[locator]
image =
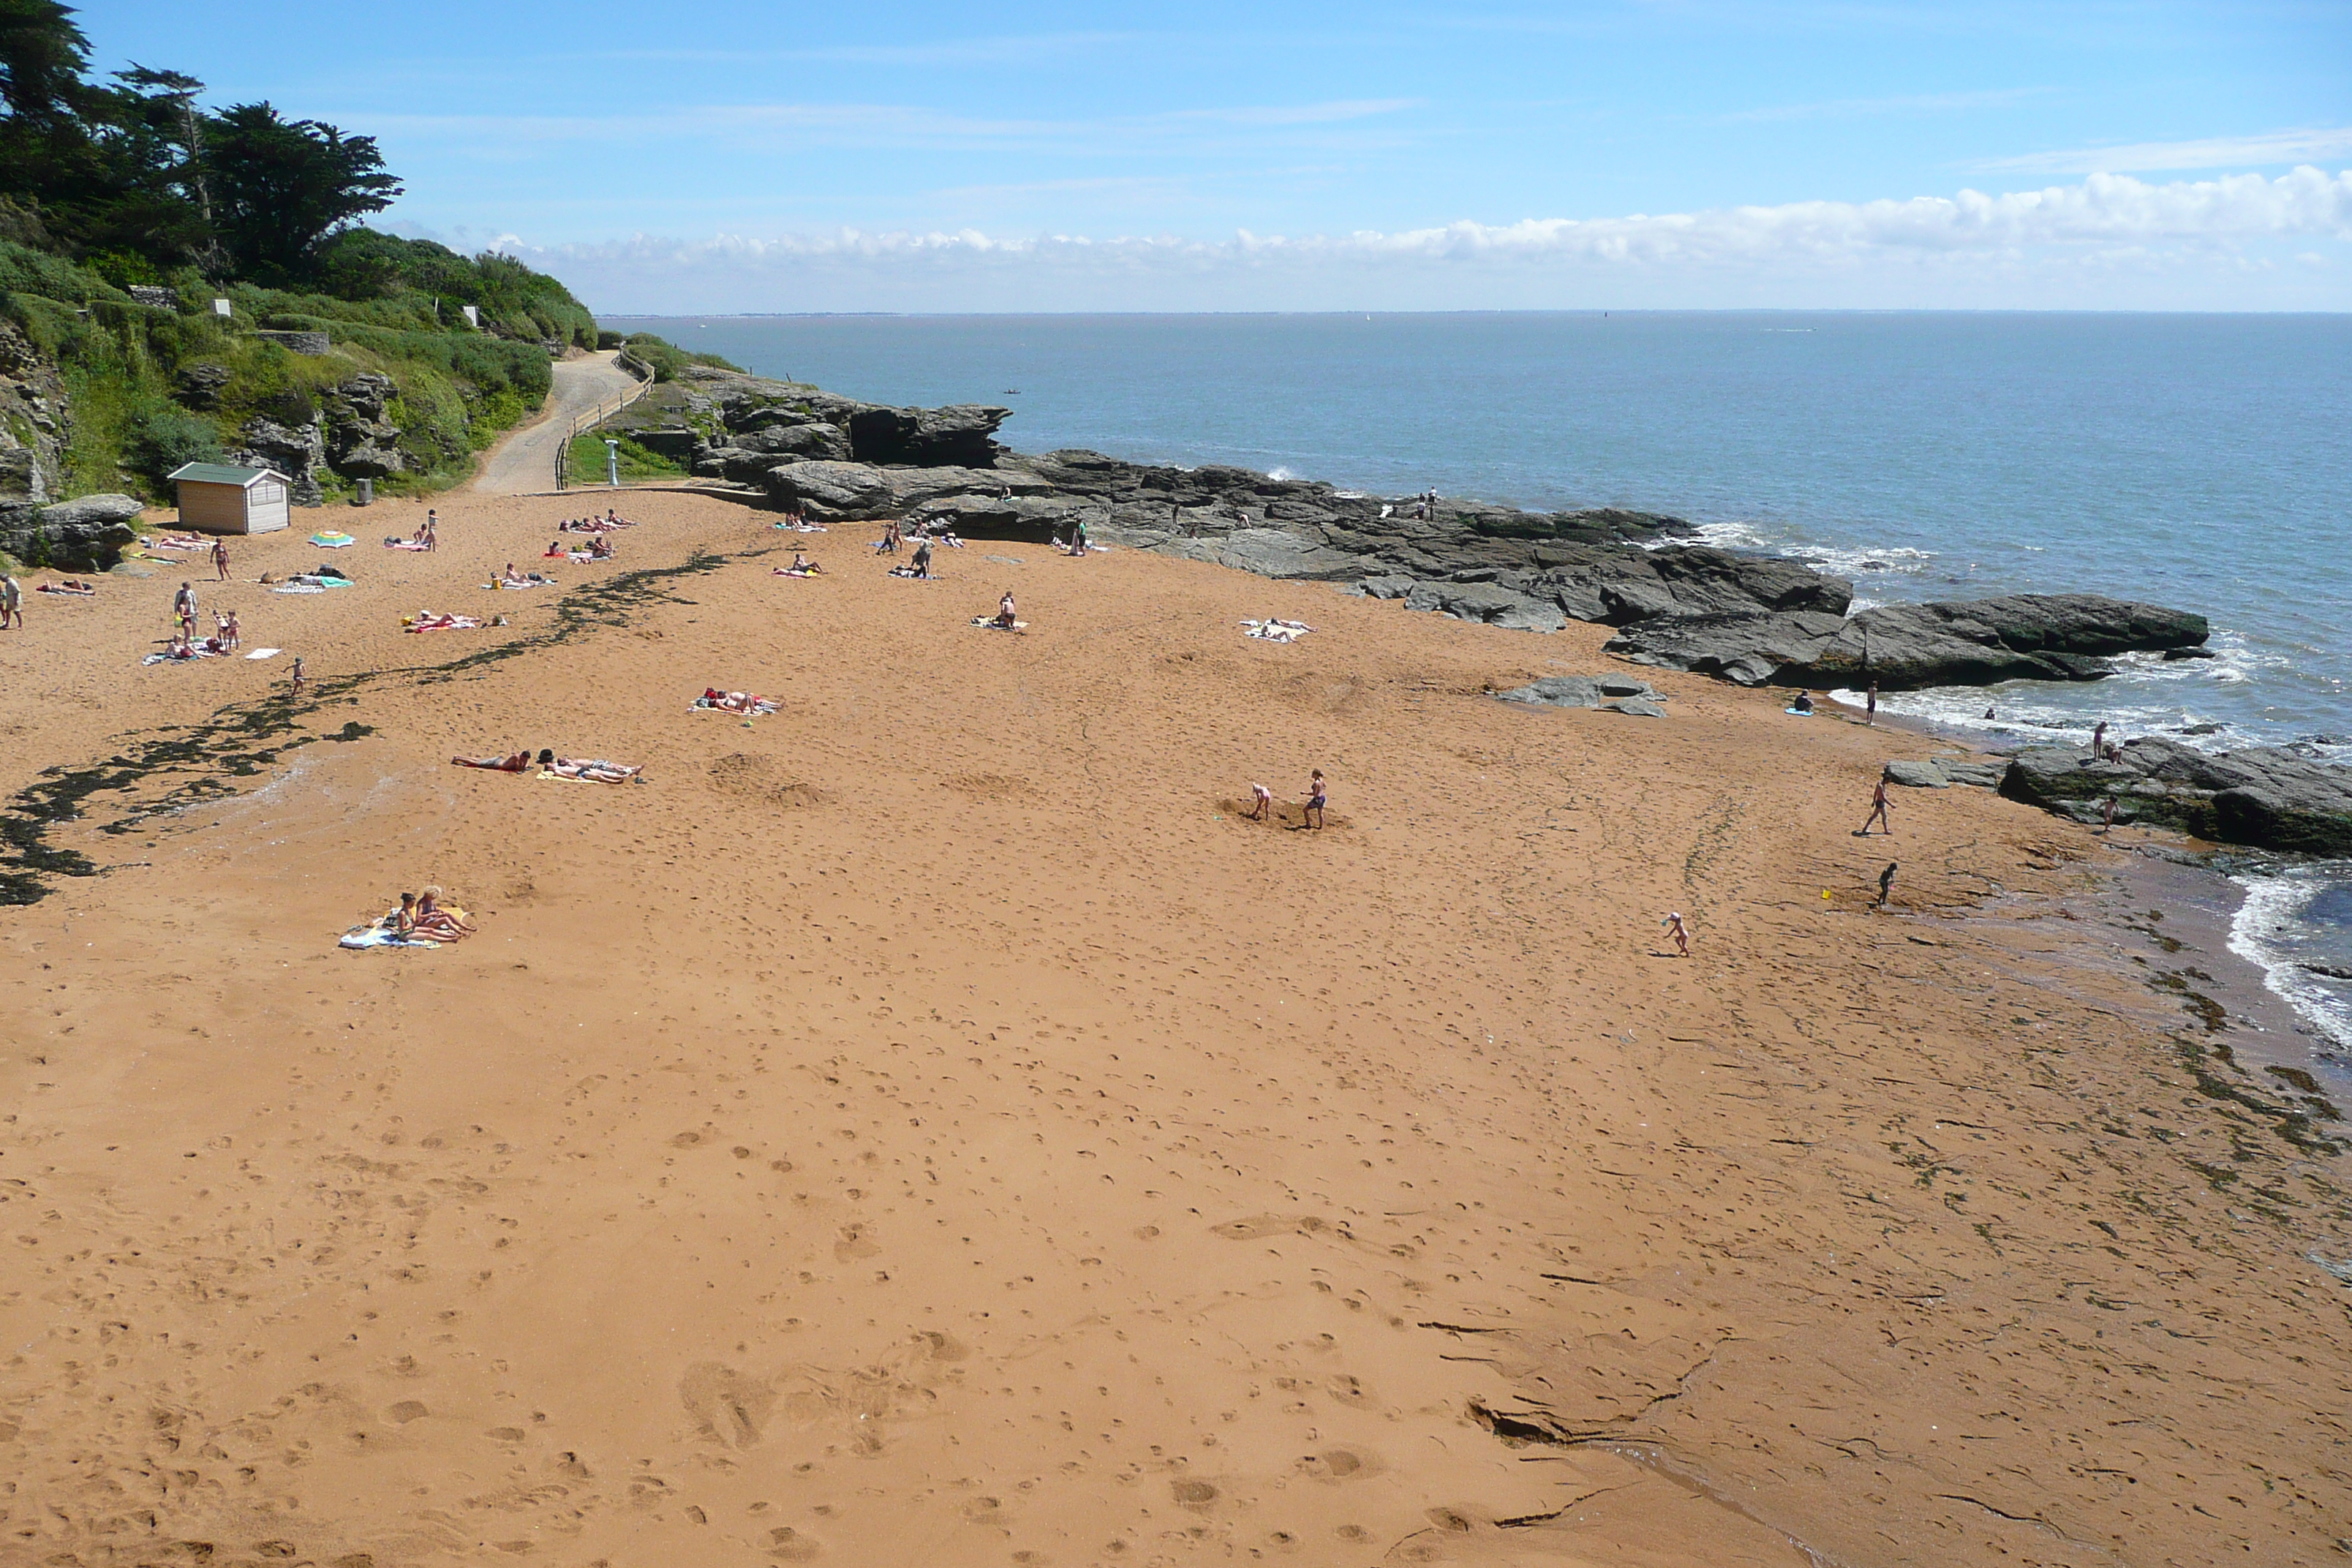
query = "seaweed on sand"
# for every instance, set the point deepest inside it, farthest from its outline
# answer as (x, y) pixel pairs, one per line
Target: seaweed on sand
(198, 763)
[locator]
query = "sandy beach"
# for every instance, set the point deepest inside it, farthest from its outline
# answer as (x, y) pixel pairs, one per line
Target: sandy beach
(927, 1123)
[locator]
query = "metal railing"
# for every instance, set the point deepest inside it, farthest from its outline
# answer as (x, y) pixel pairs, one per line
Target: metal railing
(601, 413)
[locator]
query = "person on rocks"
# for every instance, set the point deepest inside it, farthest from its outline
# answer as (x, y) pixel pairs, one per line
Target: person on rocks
(1878, 811)
(1675, 928)
(2099, 738)
(1885, 884)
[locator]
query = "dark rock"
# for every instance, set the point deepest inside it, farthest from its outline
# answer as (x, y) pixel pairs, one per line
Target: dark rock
(154, 296)
(297, 342)
(813, 440)
(1489, 603)
(2271, 798)
(1916, 775)
(1386, 587)
(1615, 692)
(1979, 642)
(1747, 648)
(838, 492)
(962, 436)
(361, 443)
(85, 534)
(200, 385)
(297, 451)
(1268, 553)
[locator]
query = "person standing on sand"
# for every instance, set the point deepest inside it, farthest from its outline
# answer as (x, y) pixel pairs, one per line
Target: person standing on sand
(2107, 816)
(295, 694)
(923, 558)
(1870, 705)
(12, 604)
(1886, 883)
(1878, 811)
(184, 608)
(220, 558)
(1681, 933)
(1316, 798)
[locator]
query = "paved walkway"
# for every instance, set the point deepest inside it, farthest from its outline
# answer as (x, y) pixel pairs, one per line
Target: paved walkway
(523, 462)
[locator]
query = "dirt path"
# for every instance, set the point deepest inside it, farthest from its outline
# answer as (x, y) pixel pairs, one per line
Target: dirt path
(524, 463)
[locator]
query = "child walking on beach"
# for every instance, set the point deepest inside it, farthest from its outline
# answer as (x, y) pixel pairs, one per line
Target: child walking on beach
(1878, 811)
(1680, 932)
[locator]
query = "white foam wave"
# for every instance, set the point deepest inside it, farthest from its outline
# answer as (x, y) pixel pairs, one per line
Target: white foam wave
(2264, 933)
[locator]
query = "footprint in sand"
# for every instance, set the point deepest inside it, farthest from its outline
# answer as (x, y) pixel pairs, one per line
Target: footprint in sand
(790, 1545)
(1192, 1494)
(407, 1410)
(724, 1404)
(1258, 1226)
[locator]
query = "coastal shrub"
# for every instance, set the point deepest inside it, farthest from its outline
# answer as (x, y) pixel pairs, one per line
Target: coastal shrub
(667, 358)
(161, 435)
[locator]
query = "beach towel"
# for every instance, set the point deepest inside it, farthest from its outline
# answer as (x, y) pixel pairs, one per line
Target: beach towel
(799, 527)
(265, 653)
(990, 623)
(177, 542)
(330, 540)
(918, 576)
(1277, 631)
(393, 544)
(380, 933)
(788, 571)
(1799, 713)
(432, 622)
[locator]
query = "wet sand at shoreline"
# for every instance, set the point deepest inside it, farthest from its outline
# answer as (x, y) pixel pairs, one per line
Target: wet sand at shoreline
(927, 1121)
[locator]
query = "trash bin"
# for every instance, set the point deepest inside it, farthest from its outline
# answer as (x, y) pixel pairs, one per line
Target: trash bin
(367, 493)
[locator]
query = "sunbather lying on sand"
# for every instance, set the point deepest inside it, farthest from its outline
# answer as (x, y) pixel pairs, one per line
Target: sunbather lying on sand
(70, 585)
(426, 621)
(517, 762)
(734, 702)
(597, 768)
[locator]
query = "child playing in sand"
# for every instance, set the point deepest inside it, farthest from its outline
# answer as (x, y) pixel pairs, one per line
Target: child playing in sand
(1680, 932)
(1265, 799)
(1005, 611)
(1886, 883)
(1316, 798)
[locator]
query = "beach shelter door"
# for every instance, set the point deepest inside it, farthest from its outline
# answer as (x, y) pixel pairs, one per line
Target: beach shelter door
(215, 498)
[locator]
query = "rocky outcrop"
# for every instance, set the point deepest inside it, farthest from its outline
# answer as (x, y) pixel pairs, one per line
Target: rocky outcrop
(33, 416)
(297, 451)
(1974, 642)
(361, 443)
(1616, 693)
(85, 534)
(1943, 772)
(1746, 618)
(1977, 642)
(2270, 798)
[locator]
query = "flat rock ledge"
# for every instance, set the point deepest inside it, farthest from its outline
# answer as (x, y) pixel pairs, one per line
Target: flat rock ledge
(2266, 798)
(1610, 693)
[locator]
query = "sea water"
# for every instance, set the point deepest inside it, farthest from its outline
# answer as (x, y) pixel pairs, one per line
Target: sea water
(2203, 462)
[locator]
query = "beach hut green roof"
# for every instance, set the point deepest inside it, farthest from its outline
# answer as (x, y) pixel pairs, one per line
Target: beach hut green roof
(221, 474)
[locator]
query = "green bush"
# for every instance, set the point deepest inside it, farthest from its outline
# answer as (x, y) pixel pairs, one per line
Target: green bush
(588, 467)
(667, 358)
(162, 435)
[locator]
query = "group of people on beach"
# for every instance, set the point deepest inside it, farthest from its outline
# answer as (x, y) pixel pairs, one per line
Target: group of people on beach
(422, 916)
(547, 762)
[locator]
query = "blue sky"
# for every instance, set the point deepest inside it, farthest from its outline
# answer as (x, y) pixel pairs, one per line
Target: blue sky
(912, 156)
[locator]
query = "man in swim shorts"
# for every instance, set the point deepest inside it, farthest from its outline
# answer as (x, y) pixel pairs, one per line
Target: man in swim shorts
(1877, 810)
(12, 604)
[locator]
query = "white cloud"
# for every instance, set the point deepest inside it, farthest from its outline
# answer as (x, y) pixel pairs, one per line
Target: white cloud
(2063, 244)
(2267, 149)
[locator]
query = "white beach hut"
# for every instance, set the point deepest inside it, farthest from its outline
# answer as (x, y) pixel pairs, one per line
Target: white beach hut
(217, 498)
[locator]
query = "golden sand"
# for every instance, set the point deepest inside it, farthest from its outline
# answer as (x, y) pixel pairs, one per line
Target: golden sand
(927, 1125)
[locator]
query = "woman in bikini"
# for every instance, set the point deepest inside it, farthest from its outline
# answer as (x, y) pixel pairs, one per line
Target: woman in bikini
(435, 922)
(1316, 799)
(1004, 612)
